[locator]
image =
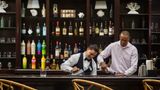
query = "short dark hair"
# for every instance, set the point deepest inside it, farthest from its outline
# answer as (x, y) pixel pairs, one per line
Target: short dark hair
(93, 47)
(126, 33)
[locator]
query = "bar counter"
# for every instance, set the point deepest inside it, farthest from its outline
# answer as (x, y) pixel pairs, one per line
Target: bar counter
(64, 82)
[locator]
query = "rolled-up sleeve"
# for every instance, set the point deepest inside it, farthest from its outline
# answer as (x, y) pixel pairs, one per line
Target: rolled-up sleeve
(134, 62)
(67, 65)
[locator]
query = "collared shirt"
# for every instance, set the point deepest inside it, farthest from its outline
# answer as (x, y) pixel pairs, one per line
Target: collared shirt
(73, 60)
(123, 59)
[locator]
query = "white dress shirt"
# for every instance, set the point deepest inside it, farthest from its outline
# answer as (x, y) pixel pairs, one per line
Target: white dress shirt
(123, 59)
(73, 60)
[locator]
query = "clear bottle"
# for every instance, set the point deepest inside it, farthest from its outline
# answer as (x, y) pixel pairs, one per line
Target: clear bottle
(38, 31)
(33, 48)
(24, 29)
(81, 29)
(23, 11)
(64, 29)
(44, 30)
(110, 28)
(43, 11)
(70, 29)
(101, 33)
(57, 51)
(57, 31)
(23, 48)
(28, 47)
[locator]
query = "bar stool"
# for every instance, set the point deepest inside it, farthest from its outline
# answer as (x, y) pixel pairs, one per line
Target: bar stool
(11, 85)
(151, 84)
(80, 84)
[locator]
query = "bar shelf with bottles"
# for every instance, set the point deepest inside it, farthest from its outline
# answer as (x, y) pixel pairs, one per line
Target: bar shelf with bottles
(33, 35)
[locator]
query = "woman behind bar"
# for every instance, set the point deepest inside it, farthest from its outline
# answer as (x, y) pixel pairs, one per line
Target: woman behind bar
(82, 63)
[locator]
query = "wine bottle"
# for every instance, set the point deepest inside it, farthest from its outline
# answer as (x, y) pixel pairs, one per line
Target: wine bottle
(23, 48)
(33, 62)
(75, 50)
(110, 28)
(33, 48)
(43, 11)
(57, 31)
(57, 51)
(24, 62)
(70, 29)
(69, 50)
(54, 64)
(66, 53)
(44, 30)
(96, 29)
(28, 48)
(105, 28)
(39, 47)
(101, 33)
(64, 29)
(38, 32)
(75, 29)
(43, 47)
(81, 29)
(23, 29)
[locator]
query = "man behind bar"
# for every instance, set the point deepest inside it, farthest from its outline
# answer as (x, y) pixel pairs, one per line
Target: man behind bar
(82, 63)
(124, 56)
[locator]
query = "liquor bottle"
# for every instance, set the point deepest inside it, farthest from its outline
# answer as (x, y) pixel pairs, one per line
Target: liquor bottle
(24, 29)
(24, 62)
(70, 29)
(64, 29)
(44, 30)
(81, 29)
(133, 24)
(57, 31)
(43, 47)
(101, 32)
(33, 48)
(23, 11)
(57, 52)
(75, 29)
(2, 22)
(75, 50)
(43, 11)
(47, 63)
(93, 29)
(90, 30)
(105, 28)
(9, 21)
(43, 63)
(30, 31)
(57, 67)
(39, 47)
(38, 32)
(66, 53)
(53, 66)
(69, 50)
(110, 28)
(55, 10)
(28, 48)
(33, 62)
(97, 29)
(23, 48)
(100, 48)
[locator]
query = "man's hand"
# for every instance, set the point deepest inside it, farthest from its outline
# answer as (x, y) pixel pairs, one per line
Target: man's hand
(119, 74)
(75, 69)
(103, 66)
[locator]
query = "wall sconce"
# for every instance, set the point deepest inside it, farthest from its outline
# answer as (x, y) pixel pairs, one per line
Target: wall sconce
(33, 5)
(100, 5)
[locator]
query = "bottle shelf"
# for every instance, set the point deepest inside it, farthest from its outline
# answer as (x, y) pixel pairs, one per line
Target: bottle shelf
(141, 14)
(68, 19)
(8, 13)
(7, 58)
(155, 32)
(156, 14)
(136, 29)
(155, 43)
(8, 28)
(7, 43)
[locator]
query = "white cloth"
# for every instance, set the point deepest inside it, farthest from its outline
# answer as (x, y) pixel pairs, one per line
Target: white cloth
(123, 59)
(73, 60)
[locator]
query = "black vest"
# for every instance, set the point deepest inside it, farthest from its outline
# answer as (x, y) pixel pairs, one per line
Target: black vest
(80, 65)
